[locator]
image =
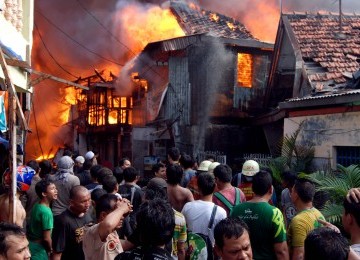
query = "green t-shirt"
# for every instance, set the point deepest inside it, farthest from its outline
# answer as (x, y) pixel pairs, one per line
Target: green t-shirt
(266, 225)
(41, 219)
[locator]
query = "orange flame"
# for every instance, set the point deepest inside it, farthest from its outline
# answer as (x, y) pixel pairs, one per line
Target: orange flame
(214, 17)
(194, 6)
(245, 70)
(144, 27)
(231, 26)
(45, 157)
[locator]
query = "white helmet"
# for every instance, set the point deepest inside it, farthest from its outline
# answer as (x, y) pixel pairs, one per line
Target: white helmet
(204, 166)
(250, 168)
(212, 166)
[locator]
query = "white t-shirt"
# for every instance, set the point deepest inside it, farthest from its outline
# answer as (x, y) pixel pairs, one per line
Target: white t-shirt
(95, 249)
(197, 214)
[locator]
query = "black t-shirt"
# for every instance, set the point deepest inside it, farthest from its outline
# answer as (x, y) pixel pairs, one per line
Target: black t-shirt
(145, 254)
(68, 233)
(125, 192)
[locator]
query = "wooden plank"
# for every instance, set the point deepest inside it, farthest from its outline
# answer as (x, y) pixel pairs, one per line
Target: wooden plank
(24, 65)
(11, 88)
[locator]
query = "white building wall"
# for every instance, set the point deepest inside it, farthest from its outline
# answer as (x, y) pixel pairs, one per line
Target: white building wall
(326, 132)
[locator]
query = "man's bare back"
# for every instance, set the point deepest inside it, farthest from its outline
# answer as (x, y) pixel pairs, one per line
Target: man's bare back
(5, 210)
(178, 196)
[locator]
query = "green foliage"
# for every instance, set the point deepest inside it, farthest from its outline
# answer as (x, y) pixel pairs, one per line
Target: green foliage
(336, 185)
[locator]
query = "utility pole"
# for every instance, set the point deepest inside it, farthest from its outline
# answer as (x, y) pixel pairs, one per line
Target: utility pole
(340, 16)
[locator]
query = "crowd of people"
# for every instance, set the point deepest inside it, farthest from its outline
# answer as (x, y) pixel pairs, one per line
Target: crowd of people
(80, 209)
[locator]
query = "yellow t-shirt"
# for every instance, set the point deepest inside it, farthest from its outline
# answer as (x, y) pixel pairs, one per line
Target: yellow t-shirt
(302, 224)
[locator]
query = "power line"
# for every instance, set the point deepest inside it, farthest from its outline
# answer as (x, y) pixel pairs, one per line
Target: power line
(78, 43)
(47, 49)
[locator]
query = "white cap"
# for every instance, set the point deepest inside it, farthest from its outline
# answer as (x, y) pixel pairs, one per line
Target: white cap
(80, 159)
(250, 168)
(204, 166)
(212, 166)
(89, 155)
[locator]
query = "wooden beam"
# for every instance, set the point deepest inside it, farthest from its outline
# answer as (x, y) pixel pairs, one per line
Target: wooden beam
(12, 90)
(24, 65)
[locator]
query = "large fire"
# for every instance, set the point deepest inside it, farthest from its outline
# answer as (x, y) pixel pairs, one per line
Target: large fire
(245, 70)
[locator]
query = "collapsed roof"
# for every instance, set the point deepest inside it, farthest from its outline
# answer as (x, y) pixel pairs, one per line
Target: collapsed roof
(195, 20)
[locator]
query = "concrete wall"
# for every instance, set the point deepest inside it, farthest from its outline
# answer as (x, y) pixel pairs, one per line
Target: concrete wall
(326, 132)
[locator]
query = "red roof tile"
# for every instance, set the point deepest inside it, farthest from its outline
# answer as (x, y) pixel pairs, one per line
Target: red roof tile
(320, 40)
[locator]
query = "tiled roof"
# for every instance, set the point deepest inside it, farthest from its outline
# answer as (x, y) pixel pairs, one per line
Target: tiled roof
(194, 20)
(328, 52)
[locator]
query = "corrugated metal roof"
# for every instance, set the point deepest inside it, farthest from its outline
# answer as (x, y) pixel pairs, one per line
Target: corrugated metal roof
(326, 96)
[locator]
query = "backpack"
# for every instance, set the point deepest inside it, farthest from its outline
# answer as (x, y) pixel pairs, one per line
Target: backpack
(199, 246)
(228, 203)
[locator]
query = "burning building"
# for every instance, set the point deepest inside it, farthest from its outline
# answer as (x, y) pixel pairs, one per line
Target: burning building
(202, 90)
(199, 92)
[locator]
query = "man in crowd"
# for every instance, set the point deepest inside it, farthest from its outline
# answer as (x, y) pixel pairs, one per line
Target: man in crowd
(351, 222)
(13, 242)
(69, 226)
(324, 243)
(265, 222)
(64, 181)
(178, 195)
(101, 241)
(159, 170)
(173, 156)
(227, 196)
(302, 195)
(198, 213)
(41, 221)
(187, 163)
(156, 222)
(232, 241)
(287, 206)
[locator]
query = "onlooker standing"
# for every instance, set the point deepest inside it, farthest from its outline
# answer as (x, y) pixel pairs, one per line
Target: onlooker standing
(173, 156)
(94, 173)
(198, 213)
(324, 243)
(287, 206)
(64, 181)
(302, 195)
(192, 185)
(84, 173)
(159, 170)
(69, 226)
(232, 240)
(79, 162)
(187, 163)
(90, 155)
(42, 221)
(177, 195)
(101, 241)
(13, 242)
(265, 222)
(351, 222)
(46, 169)
(228, 196)
(156, 223)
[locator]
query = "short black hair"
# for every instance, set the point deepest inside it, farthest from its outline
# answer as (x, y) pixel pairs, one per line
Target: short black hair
(186, 161)
(46, 168)
(223, 172)
(41, 187)
(155, 192)
(174, 174)
(206, 183)
(122, 161)
(289, 177)
(261, 182)
(94, 171)
(130, 174)
(352, 208)
(8, 229)
(76, 190)
(228, 228)
(34, 165)
(323, 243)
(118, 173)
(305, 190)
(109, 183)
(156, 222)
(174, 153)
(156, 167)
(106, 203)
(104, 171)
(96, 194)
(87, 164)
